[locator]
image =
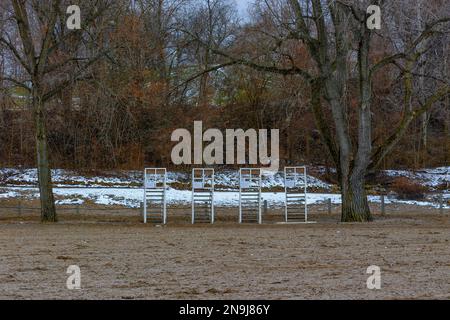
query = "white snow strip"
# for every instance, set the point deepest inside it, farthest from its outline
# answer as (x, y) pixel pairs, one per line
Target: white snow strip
(223, 179)
(430, 177)
(6, 194)
(132, 197)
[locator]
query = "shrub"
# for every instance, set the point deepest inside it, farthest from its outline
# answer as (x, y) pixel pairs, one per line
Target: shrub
(407, 189)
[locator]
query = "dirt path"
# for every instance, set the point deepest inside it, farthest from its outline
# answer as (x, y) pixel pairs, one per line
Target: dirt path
(134, 261)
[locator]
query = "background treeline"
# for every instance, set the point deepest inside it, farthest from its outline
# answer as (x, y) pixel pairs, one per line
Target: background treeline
(153, 80)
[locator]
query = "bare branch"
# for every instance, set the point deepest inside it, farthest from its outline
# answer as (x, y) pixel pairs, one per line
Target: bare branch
(16, 54)
(16, 82)
(76, 77)
(48, 38)
(408, 117)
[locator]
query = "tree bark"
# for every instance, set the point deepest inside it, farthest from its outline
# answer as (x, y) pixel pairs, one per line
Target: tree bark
(355, 207)
(48, 212)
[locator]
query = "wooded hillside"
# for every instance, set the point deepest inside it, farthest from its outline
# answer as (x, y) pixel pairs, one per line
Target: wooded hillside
(151, 80)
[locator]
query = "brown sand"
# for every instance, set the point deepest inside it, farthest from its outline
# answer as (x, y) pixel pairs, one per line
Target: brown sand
(129, 260)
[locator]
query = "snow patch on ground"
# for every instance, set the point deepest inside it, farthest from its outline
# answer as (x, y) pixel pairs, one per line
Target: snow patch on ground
(124, 188)
(430, 177)
(13, 176)
(227, 179)
(224, 180)
(132, 197)
(5, 194)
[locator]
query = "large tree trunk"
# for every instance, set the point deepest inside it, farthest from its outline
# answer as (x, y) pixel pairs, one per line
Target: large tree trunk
(48, 212)
(355, 207)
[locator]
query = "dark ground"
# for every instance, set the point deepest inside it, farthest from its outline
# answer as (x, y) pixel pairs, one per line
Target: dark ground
(121, 258)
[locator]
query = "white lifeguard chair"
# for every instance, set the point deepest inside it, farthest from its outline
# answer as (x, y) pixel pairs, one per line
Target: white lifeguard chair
(155, 195)
(202, 195)
(295, 188)
(250, 195)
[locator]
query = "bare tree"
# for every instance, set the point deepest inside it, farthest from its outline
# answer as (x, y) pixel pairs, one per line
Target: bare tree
(214, 22)
(338, 41)
(52, 59)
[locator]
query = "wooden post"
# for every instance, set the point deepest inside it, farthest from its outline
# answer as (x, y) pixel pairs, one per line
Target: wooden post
(265, 207)
(441, 204)
(383, 206)
(77, 209)
(329, 205)
(141, 206)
